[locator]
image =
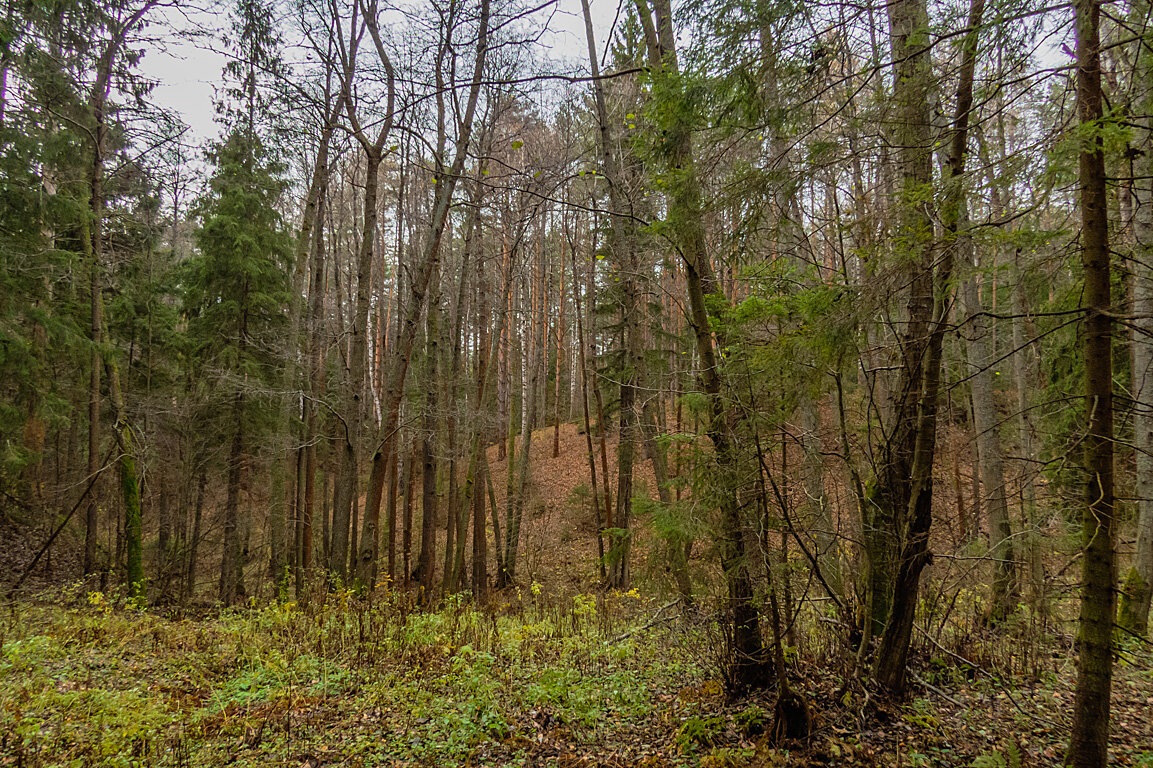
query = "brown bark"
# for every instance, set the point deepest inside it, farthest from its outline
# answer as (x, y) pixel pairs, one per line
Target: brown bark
(1137, 586)
(584, 397)
(1089, 742)
(398, 369)
(749, 666)
(909, 28)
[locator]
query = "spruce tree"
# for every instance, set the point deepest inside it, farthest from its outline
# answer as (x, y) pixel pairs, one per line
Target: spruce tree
(237, 287)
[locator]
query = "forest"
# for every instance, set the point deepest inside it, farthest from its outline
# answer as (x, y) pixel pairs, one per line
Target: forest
(722, 383)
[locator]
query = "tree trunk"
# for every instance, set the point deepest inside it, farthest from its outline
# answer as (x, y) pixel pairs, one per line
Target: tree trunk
(230, 564)
(194, 540)
(678, 546)
(130, 489)
(353, 396)
(1024, 366)
(1137, 587)
(285, 465)
(622, 246)
(428, 504)
(987, 425)
(93, 245)
(1089, 743)
(891, 498)
(394, 387)
(585, 375)
(929, 301)
(92, 510)
(315, 387)
(479, 539)
(520, 495)
(408, 481)
(749, 665)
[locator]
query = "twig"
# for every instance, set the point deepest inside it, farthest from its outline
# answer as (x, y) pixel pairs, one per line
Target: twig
(656, 620)
(59, 528)
(1133, 634)
(994, 677)
(936, 690)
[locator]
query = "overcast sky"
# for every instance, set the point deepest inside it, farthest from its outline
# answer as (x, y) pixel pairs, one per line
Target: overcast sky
(189, 70)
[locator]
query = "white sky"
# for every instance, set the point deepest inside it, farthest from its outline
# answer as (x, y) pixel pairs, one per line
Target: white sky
(188, 71)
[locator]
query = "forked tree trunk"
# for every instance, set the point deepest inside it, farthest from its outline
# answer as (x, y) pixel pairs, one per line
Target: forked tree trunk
(891, 500)
(398, 363)
(929, 304)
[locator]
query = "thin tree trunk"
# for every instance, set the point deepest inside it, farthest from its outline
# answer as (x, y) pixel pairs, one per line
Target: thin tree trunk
(909, 21)
(353, 398)
(194, 540)
(585, 375)
(496, 549)
(1023, 369)
(285, 464)
(394, 388)
(426, 568)
(1137, 587)
(230, 564)
(408, 480)
(678, 546)
(130, 489)
(390, 514)
(315, 384)
(1089, 742)
(891, 499)
(622, 245)
(92, 510)
(519, 502)
(986, 424)
(479, 538)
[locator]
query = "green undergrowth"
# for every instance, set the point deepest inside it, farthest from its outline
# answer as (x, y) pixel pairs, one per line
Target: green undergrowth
(347, 682)
(91, 680)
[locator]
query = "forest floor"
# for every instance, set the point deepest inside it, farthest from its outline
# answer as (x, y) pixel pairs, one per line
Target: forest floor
(552, 674)
(617, 680)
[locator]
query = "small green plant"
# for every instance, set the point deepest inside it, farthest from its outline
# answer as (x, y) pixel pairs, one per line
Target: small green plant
(922, 716)
(1010, 758)
(699, 731)
(98, 601)
(728, 757)
(751, 721)
(492, 722)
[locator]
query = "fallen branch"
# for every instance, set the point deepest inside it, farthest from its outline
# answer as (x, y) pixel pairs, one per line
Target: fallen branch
(655, 621)
(929, 686)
